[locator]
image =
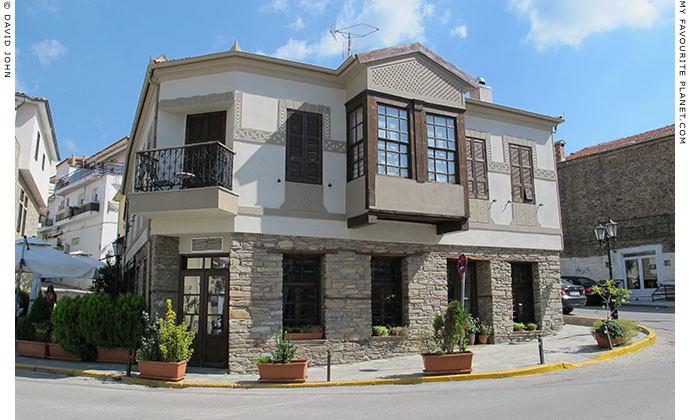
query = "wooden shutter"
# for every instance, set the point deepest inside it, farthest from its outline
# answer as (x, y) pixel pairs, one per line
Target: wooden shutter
(521, 174)
(479, 155)
(303, 151)
(207, 127)
(471, 186)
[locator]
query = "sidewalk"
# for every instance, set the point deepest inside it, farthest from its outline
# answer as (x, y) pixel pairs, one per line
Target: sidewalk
(646, 301)
(570, 346)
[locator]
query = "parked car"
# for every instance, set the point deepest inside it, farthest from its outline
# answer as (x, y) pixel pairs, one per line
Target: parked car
(587, 283)
(572, 296)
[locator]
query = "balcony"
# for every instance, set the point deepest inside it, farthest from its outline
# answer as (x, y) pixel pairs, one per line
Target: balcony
(77, 210)
(97, 170)
(194, 178)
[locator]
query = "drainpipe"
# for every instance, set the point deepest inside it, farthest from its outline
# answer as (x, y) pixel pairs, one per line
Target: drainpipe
(155, 112)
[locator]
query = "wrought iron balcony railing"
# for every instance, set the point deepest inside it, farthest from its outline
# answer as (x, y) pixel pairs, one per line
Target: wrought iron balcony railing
(75, 210)
(100, 169)
(191, 166)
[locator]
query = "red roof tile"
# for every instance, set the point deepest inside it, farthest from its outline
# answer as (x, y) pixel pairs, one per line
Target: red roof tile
(626, 141)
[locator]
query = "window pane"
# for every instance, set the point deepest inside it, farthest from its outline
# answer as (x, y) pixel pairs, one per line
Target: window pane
(382, 121)
(440, 154)
(393, 159)
(192, 322)
(392, 135)
(403, 148)
(359, 115)
(192, 285)
(403, 161)
(431, 165)
(392, 123)
(403, 138)
(392, 111)
(382, 169)
(216, 285)
(382, 134)
(429, 119)
(429, 130)
(220, 262)
(403, 173)
(216, 305)
(191, 304)
(360, 132)
(442, 144)
(451, 133)
(441, 132)
(393, 171)
(214, 325)
(403, 114)
(432, 176)
(441, 166)
(381, 109)
(195, 263)
(382, 157)
(392, 146)
(441, 178)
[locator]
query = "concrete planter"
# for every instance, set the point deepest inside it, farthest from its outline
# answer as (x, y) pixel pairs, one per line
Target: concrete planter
(293, 372)
(165, 371)
(448, 364)
(58, 353)
(32, 348)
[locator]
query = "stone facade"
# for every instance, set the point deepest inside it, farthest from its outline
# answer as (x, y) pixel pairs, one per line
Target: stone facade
(165, 274)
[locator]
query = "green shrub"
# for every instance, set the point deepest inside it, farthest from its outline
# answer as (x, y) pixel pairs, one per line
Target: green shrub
(25, 330)
(97, 320)
(473, 326)
(485, 329)
(23, 301)
(518, 325)
(65, 321)
(380, 330)
(40, 310)
(614, 327)
(284, 350)
(531, 326)
(129, 322)
(612, 296)
(264, 359)
(36, 325)
(398, 331)
(451, 328)
(108, 280)
(149, 348)
(173, 340)
(630, 329)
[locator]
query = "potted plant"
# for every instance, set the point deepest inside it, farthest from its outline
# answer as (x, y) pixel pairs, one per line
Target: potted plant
(437, 348)
(518, 326)
(484, 333)
(306, 332)
(398, 331)
(165, 348)
(531, 326)
(33, 331)
(69, 343)
(613, 297)
(379, 331)
(472, 330)
(280, 366)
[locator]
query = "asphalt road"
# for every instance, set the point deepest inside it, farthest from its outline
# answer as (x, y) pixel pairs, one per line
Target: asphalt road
(635, 386)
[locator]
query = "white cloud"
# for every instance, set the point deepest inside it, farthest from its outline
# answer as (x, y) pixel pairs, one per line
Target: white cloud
(298, 23)
(399, 21)
(70, 146)
(460, 31)
(48, 51)
(52, 6)
(275, 6)
(565, 22)
(445, 17)
(21, 86)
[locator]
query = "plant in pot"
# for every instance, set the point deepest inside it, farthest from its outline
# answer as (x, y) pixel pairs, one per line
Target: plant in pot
(280, 366)
(69, 342)
(518, 326)
(613, 297)
(97, 325)
(379, 331)
(398, 331)
(437, 348)
(472, 330)
(33, 331)
(165, 348)
(484, 333)
(531, 326)
(305, 332)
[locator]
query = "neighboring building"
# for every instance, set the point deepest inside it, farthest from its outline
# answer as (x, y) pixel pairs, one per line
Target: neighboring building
(83, 216)
(263, 193)
(632, 182)
(35, 155)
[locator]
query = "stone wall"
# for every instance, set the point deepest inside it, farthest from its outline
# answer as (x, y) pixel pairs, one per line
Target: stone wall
(256, 294)
(633, 185)
(165, 274)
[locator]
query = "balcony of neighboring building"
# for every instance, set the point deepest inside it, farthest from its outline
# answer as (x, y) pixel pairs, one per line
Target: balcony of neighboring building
(195, 179)
(72, 212)
(82, 176)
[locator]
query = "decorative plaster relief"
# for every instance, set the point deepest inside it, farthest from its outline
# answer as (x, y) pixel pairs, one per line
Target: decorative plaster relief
(524, 214)
(545, 174)
(492, 165)
(479, 211)
(213, 98)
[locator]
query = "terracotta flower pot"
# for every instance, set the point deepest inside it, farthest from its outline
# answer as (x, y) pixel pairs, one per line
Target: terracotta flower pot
(32, 349)
(305, 336)
(166, 371)
(448, 364)
(114, 355)
(603, 343)
(58, 353)
(482, 339)
(471, 338)
(295, 371)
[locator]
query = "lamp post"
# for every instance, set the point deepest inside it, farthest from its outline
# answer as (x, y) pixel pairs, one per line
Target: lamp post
(118, 249)
(606, 235)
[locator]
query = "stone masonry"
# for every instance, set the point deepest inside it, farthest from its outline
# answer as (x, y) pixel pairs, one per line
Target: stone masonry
(165, 275)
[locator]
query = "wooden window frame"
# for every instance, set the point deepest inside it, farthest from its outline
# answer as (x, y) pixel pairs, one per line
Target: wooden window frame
(22, 212)
(205, 116)
(472, 164)
(452, 178)
(398, 143)
(304, 176)
(299, 286)
(526, 189)
(356, 168)
(377, 291)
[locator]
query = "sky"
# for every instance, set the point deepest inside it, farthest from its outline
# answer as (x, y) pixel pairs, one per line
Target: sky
(606, 65)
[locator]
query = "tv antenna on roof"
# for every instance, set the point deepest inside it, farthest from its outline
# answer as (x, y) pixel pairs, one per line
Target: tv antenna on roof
(359, 30)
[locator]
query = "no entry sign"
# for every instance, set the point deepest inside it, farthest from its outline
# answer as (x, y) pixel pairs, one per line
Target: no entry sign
(462, 264)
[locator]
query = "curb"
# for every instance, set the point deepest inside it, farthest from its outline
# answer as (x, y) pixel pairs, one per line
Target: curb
(528, 371)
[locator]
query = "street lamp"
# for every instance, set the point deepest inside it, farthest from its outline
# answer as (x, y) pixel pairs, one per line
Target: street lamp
(606, 235)
(118, 250)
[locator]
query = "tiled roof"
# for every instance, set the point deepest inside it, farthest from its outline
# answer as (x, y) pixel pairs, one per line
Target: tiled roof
(626, 141)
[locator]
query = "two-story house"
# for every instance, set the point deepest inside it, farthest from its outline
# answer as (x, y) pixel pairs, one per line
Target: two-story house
(35, 155)
(632, 182)
(84, 214)
(263, 193)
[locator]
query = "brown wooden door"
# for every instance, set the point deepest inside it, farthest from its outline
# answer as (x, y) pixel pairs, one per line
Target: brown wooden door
(523, 292)
(204, 303)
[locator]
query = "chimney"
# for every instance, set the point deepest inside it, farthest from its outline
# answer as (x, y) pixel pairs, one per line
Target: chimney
(559, 150)
(74, 160)
(483, 92)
